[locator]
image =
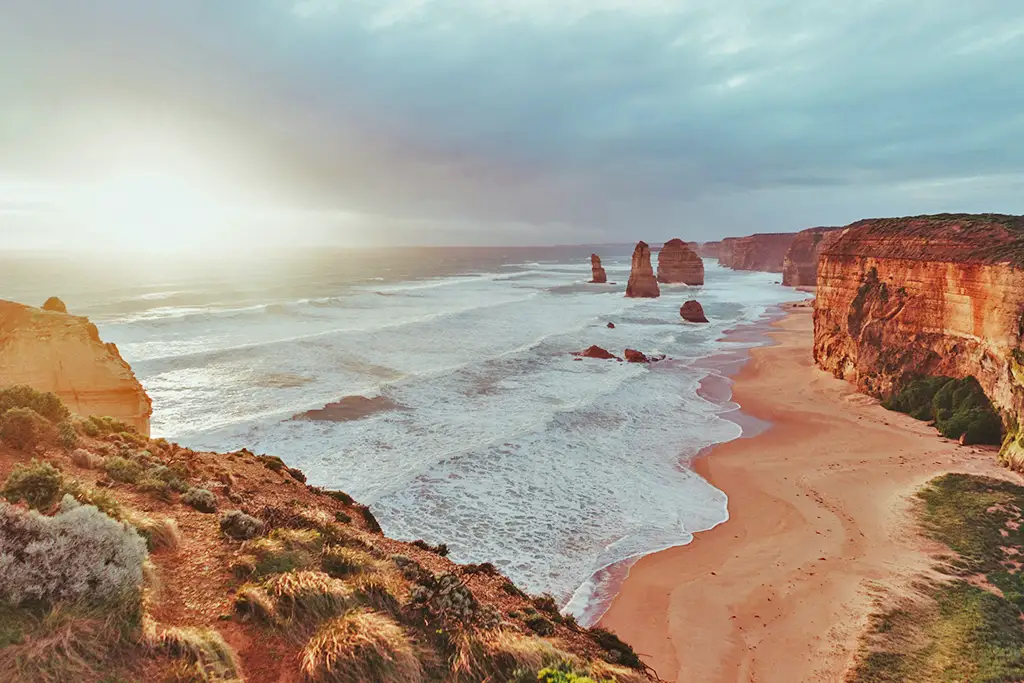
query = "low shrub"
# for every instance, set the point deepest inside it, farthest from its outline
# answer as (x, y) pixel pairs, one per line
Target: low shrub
(24, 428)
(358, 647)
(444, 599)
(371, 522)
(86, 459)
(959, 408)
(486, 568)
(539, 624)
(38, 484)
(200, 499)
(67, 437)
(159, 534)
(440, 549)
(619, 651)
(240, 526)
(78, 554)
(46, 404)
(154, 487)
(499, 656)
(122, 469)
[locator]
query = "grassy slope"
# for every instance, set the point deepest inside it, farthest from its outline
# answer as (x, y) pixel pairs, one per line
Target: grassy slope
(196, 582)
(968, 628)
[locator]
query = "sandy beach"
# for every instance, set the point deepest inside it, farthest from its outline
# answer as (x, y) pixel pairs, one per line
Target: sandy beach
(820, 526)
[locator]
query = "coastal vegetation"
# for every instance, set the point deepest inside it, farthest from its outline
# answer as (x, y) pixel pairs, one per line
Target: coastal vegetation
(116, 569)
(959, 408)
(966, 625)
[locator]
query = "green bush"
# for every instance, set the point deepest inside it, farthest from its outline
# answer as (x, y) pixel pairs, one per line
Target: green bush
(46, 404)
(959, 408)
(38, 484)
(240, 526)
(201, 499)
(67, 437)
(620, 651)
(123, 469)
(23, 428)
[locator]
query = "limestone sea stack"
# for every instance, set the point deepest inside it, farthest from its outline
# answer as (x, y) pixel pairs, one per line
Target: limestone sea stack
(52, 351)
(599, 276)
(642, 283)
(800, 266)
(54, 304)
(679, 264)
(693, 312)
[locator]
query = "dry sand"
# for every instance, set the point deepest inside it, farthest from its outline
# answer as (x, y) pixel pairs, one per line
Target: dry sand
(820, 524)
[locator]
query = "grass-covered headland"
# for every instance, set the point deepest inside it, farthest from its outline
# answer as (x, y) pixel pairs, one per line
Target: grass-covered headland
(968, 627)
(126, 559)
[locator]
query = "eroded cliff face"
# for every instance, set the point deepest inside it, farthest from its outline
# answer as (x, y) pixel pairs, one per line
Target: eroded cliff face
(709, 249)
(764, 251)
(931, 295)
(679, 264)
(54, 351)
(800, 265)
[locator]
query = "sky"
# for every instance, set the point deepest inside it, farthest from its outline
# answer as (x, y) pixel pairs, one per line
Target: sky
(238, 122)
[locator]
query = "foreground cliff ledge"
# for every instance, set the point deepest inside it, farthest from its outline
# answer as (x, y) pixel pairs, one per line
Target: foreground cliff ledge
(939, 295)
(50, 350)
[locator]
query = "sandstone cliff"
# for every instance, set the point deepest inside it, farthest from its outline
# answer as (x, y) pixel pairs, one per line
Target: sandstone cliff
(929, 295)
(709, 249)
(800, 265)
(764, 252)
(678, 263)
(597, 271)
(54, 351)
(642, 283)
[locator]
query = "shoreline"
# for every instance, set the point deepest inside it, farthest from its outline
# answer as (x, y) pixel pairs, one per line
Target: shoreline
(594, 597)
(819, 526)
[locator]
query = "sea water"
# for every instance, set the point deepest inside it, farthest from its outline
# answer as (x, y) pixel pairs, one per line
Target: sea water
(505, 447)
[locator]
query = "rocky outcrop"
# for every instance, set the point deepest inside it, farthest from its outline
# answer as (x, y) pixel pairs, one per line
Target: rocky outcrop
(693, 312)
(800, 266)
(634, 356)
(610, 326)
(764, 252)
(350, 408)
(642, 283)
(598, 275)
(928, 295)
(54, 304)
(678, 263)
(53, 351)
(596, 352)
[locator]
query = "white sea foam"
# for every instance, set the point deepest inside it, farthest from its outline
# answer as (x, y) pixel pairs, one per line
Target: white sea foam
(510, 450)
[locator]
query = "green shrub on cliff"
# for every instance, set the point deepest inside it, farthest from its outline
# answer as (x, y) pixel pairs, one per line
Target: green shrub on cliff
(959, 408)
(45, 403)
(24, 428)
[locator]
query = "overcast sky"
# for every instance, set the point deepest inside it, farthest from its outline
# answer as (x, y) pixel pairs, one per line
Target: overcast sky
(505, 121)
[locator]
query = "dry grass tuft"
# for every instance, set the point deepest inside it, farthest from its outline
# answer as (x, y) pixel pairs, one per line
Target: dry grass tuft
(254, 601)
(160, 533)
(213, 659)
(284, 550)
(358, 647)
(307, 597)
(381, 591)
(342, 562)
(495, 655)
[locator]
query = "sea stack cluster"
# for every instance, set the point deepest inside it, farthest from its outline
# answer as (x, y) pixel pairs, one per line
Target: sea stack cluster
(679, 264)
(642, 283)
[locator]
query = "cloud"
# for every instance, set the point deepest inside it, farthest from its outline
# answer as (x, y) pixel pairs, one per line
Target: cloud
(647, 118)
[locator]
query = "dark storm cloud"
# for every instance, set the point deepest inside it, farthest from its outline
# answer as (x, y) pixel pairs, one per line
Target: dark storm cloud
(607, 118)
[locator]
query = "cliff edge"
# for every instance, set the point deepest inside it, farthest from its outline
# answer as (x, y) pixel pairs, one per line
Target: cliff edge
(800, 265)
(49, 350)
(938, 295)
(763, 251)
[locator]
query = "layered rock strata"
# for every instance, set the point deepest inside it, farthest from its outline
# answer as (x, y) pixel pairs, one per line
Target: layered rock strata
(800, 265)
(52, 351)
(679, 264)
(642, 283)
(928, 295)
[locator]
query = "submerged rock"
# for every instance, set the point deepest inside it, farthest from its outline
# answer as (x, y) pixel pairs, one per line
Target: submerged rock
(642, 283)
(596, 352)
(693, 312)
(610, 326)
(634, 356)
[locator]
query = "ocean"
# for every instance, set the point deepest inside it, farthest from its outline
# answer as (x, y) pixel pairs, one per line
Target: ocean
(501, 445)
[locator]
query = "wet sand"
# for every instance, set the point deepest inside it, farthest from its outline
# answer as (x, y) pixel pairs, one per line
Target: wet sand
(820, 525)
